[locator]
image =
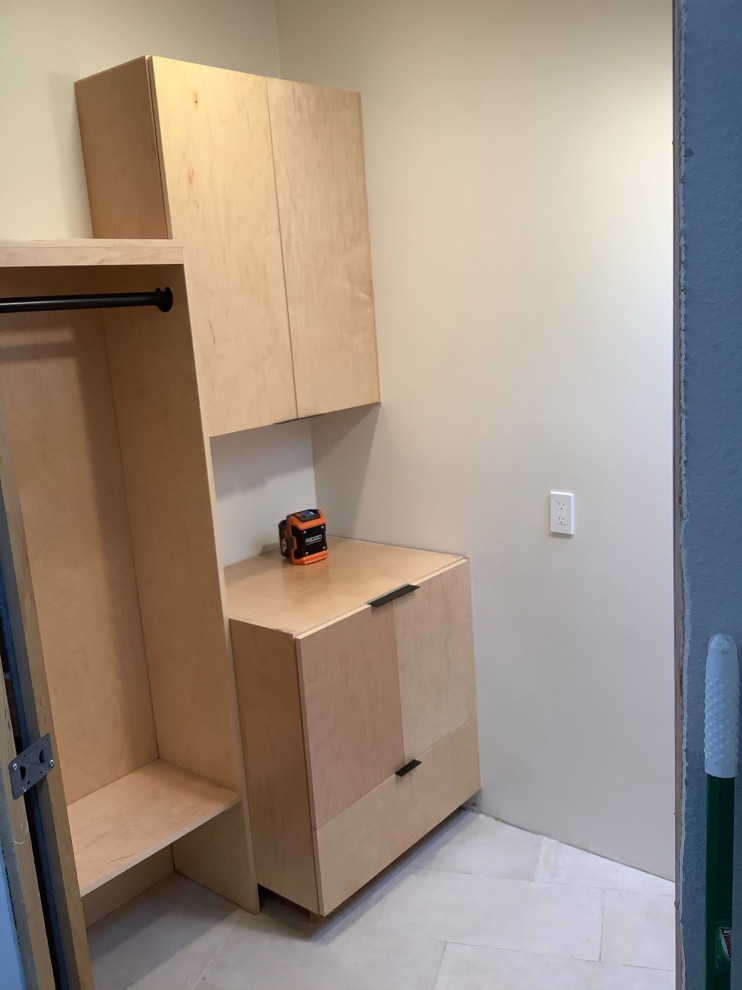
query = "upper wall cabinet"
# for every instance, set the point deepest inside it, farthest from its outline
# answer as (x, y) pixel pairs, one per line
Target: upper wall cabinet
(263, 182)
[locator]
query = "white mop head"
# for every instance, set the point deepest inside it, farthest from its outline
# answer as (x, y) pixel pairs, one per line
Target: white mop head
(722, 707)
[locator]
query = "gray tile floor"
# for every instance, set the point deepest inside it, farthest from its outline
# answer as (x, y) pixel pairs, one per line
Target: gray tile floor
(477, 906)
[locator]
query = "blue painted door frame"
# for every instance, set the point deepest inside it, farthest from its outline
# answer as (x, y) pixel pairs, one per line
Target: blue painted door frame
(708, 412)
(11, 975)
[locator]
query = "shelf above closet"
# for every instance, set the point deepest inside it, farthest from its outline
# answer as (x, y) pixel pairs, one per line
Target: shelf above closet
(87, 252)
(131, 819)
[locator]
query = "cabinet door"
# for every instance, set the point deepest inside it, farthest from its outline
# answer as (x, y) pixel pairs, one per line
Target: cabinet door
(217, 161)
(435, 653)
(350, 701)
(321, 185)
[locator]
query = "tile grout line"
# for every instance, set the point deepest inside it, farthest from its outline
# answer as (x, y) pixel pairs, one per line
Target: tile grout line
(232, 919)
(539, 861)
(602, 926)
(573, 885)
(551, 955)
(434, 985)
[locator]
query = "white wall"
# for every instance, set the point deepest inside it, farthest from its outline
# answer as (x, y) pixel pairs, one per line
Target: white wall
(263, 475)
(520, 186)
(520, 193)
(44, 47)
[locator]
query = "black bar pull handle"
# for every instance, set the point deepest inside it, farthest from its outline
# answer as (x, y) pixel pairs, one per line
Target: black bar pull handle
(391, 596)
(403, 771)
(161, 298)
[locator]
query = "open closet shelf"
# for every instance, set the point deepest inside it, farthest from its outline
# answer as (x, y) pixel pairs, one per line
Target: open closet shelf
(86, 252)
(123, 823)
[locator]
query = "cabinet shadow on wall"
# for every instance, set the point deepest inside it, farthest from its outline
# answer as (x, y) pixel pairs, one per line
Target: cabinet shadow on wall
(346, 437)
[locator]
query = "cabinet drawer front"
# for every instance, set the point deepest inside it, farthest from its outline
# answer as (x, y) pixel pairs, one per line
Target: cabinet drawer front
(435, 653)
(350, 701)
(372, 833)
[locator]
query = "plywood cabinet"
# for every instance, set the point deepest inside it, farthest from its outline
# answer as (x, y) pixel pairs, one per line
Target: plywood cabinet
(107, 541)
(263, 182)
(338, 692)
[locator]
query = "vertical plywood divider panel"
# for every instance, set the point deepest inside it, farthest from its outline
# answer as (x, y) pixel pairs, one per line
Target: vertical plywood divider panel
(320, 179)
(215, 147)
(165, 463)
(117, 126)
(20, 869)
(16, 568)
(54, 377)
(217, 855)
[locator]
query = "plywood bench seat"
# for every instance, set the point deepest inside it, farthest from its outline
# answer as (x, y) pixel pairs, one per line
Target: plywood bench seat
(131, 819)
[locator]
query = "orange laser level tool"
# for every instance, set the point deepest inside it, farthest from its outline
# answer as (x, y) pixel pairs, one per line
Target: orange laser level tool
(303, 536)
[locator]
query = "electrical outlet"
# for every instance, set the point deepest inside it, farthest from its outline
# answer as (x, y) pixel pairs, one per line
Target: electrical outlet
(563, 513)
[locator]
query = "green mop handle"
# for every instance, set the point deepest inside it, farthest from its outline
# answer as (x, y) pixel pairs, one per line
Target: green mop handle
(721, 752)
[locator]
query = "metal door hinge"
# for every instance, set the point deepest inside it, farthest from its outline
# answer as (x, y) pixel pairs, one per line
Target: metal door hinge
(30, 766)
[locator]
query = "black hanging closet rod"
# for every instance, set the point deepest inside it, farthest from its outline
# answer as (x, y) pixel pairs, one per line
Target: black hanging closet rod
(162, 298)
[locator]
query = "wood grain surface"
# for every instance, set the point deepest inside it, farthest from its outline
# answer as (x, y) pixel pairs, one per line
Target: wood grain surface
(88, 252)
(373, 832)
(54, 376)
(351, 705)
(217, 161)
(119, 148)
(277, 776)
(269, 591)
(140, 814)
(34, 691)
(321, 184)
(435, 657)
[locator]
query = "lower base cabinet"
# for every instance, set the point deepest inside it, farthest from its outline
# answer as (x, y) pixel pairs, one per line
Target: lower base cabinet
(355, 682)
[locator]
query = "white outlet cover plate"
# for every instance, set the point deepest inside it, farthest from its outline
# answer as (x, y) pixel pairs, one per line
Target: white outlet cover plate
(563, 513)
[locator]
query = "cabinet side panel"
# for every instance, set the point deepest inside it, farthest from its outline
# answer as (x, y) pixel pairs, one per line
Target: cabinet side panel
(16, 569)
(350, 698)
(54, 375)
(165, 460)
(271, 719)
(20, 867)
(320, 178)
(215, 145)
(435, 651)
(119, 149)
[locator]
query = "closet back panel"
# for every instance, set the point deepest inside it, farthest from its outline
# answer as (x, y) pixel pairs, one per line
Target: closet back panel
(55, 379)
(167, 471)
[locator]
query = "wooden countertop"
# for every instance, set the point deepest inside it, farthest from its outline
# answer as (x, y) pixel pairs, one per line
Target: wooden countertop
(268, 591)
